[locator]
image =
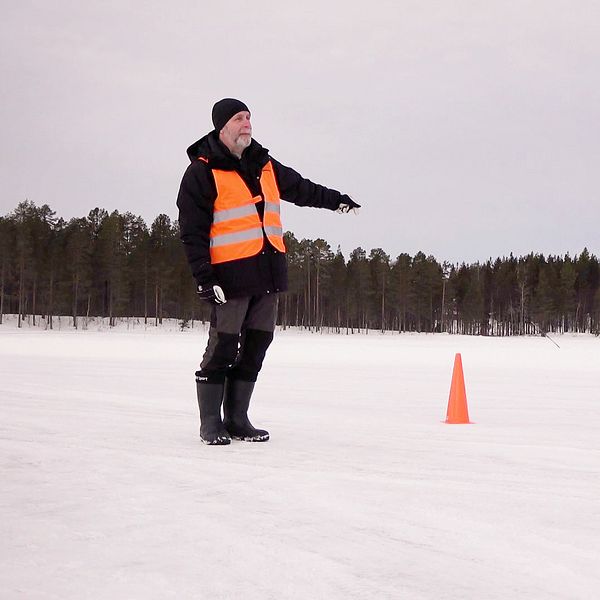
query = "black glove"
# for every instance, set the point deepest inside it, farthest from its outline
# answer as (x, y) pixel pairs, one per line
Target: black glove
(347, 204)
(213, 294)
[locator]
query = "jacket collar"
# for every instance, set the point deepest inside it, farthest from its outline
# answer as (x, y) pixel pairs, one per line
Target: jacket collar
(217, 155)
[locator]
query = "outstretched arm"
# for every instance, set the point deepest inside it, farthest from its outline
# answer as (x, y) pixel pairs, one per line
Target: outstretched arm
(303, 192)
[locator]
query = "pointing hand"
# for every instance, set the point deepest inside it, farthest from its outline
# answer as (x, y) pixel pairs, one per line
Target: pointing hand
(348, 205)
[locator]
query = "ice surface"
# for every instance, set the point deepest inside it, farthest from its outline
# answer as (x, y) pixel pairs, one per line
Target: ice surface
(362, 491)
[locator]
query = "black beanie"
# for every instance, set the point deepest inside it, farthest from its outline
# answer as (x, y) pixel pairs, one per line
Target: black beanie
(224, 109)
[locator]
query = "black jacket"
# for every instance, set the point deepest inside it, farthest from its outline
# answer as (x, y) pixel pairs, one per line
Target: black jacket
(266, 272)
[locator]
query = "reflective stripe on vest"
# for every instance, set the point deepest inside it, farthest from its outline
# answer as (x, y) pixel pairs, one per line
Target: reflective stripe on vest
(237, 231)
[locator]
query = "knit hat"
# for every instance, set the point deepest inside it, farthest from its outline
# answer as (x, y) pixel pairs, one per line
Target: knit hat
(224, 109)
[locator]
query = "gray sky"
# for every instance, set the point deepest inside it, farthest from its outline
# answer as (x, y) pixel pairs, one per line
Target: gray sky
(466, 129)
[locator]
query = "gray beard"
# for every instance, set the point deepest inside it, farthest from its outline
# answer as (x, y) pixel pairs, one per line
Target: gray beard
(243, 141)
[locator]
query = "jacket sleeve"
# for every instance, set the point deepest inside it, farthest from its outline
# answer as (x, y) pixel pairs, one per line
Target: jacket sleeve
(303, 192)
(195, 202)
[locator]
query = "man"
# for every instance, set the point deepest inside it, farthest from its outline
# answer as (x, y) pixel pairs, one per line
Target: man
(232, 234)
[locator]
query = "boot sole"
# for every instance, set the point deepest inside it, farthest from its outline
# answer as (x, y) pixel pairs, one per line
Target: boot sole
(259, 438)
(217, 442)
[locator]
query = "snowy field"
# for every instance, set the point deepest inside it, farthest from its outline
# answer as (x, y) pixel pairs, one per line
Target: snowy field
(362, 492)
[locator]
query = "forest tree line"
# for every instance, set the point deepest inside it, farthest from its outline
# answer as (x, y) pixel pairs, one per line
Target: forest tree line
(113, 265)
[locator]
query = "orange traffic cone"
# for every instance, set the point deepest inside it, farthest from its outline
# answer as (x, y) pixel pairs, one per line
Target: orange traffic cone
(457, 403)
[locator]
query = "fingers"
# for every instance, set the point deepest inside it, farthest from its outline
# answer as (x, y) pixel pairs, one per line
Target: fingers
(219, 294)
(346, 208)
(213, 294)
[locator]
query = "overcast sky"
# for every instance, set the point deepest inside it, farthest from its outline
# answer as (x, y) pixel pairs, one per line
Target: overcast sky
(467, 129)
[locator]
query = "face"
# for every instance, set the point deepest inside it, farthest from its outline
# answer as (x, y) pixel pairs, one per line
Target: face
(237, 133)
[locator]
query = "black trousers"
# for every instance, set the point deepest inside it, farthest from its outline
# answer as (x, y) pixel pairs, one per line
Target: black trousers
(240, 332)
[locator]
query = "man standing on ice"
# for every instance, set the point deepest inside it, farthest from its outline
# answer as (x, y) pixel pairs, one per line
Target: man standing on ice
(230, 226)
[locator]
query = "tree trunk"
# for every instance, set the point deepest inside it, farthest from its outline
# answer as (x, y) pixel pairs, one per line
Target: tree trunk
(2, 291)
(156, 304)
(87, 313)
(110, 304)
(160, 305)
(75, 298)
(21, 290)
(33, 307)
(383, 305)
(317, 311)
(522, 319)
(146, 292)
(308, 298)
(443, 325)
(51, 299)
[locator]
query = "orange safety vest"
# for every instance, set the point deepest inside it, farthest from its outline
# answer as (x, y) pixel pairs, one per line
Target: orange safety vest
(237, 231)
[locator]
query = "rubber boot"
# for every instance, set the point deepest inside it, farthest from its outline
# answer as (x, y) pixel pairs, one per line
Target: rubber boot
(210, 397)
(235, 411)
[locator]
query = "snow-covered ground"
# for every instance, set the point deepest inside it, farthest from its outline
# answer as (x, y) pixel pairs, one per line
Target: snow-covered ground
(362, 492)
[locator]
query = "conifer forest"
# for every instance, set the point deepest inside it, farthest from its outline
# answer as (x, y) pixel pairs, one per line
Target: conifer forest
(113, 265)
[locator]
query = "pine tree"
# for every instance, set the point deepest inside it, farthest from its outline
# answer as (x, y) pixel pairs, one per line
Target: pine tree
(358, 282)
(79, 249)
(566, 294)
(23, 217)
(338, 292)
(379, 266)
(161, 268)
(290, 311)
(321, 257)
(7, 241)
(402, 292)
